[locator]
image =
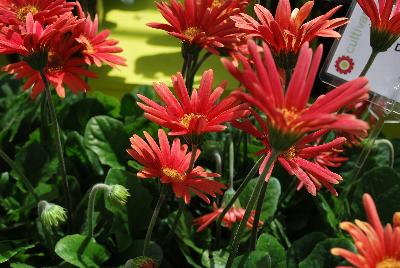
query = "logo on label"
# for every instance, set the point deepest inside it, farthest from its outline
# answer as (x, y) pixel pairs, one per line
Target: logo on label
(344, 65)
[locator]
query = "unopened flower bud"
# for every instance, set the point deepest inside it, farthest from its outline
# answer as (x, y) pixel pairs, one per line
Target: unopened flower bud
(118, 194)
(141, 262)
(50, 214)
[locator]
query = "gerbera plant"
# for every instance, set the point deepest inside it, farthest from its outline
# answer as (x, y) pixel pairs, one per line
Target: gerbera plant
(141, 188)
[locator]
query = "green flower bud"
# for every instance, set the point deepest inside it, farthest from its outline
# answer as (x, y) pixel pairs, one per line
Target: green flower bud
(118, 194)
(51, 214)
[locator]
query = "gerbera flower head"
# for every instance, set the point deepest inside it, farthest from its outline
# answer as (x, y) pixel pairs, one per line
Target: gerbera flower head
(289, 115)
(235, 214)
(33, 40)
(385, 22)
(170, 164)
(61, 68)
(96, 48)
(302, 158)
(376, 246)
(195, 115)
(202, 23)
(14, 12)
(286, 32)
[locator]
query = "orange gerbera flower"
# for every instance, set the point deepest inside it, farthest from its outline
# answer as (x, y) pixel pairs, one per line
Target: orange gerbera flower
(170, 164)
(289, 115)
(377, 247)
(202, 23)
(287, 32)
(385, 22)
(195, 115)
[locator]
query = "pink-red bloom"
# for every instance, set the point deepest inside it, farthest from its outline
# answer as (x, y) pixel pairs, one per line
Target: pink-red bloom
(202, 23)
(235, 214)
(385, 22)
(302, 159)
(195, 115)
(286, 32)
(289, 115)
(96, 48)
(170, 164)
(14, 12)
(377, 247)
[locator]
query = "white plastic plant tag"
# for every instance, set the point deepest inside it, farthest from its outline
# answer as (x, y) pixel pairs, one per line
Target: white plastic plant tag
(349, 55)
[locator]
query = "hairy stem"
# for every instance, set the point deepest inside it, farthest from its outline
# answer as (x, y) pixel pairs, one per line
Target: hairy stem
(369, 62)
(260, 202)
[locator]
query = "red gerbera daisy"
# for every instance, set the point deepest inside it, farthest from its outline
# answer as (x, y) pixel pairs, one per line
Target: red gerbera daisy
(170, 164)
(62, 68)
(377, 247)
(97, 49)
(204, 23)
(385, 22)
(289, 115)
(299, 159)
(195, 115)
(14, 12)
(287, 32)
(33, 37)
(234, 214)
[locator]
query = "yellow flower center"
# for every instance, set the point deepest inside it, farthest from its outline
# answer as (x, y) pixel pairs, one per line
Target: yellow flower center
(290, 115)
(187, 118)
(23, 11)
(389, 263)
(217, 3)
(290, 153)
(191, 33)
(89, 49)
(174, 174)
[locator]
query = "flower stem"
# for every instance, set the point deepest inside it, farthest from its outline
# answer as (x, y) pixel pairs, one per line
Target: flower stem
(235, 197)
(91, 204)
(231, 164)
(371, 59)
(192, 157)
(256, 192)
(21, 175)
(63, 171)
(218, 162)
(153, 220)
(175, 223)
(260, 202)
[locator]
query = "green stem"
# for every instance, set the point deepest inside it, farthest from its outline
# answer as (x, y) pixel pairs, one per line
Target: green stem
(218, 162)
(256, 192)
(260, 202)
(369, 63)
(192, 157)
(231, 164)
(47, 233)
(153, 220)
(235, 197)
(21, 175)
(91, 204)
(60, 153)
(175, 223)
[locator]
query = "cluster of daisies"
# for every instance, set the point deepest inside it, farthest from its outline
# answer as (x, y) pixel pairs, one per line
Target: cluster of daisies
(56, 38)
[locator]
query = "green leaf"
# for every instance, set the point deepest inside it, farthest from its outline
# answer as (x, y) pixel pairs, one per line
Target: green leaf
(271, 197)
(321, 257)
(255, 258)
(302, 247)
(9, 249)
(327, 212)
(383, 183)
(267, 243)
(20, 265)
(214, 259)
(106, 137)
(112, 104)
(81, 251)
